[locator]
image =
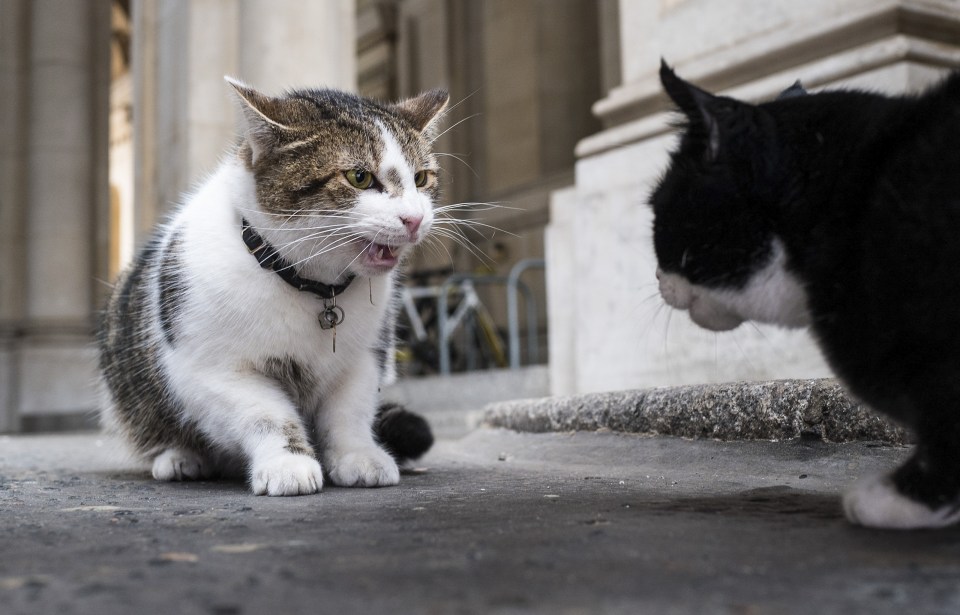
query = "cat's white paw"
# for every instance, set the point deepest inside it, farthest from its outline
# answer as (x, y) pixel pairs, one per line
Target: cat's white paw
(875, 502)
(369, 467)
(286, 474)
(180, 464)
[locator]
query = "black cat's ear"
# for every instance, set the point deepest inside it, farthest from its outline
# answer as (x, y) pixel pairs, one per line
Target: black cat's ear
(793, 91)
(424, 110)
(698, 105)
(261, 118)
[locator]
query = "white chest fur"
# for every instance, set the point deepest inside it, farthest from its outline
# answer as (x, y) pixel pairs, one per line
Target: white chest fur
(237, 312)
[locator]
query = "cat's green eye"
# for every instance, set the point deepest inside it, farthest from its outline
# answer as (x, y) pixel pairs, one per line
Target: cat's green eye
(421, 178)
(359, 179)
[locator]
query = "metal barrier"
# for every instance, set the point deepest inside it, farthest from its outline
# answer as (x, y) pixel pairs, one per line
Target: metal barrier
(471, 311)
(513, 318)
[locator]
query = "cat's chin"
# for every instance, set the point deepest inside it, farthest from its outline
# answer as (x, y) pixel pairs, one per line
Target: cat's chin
(713, 316)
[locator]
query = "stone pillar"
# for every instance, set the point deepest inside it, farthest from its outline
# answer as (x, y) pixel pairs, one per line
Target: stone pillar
(54, 199)
(622, 335)
(184, 115)
(14, 57)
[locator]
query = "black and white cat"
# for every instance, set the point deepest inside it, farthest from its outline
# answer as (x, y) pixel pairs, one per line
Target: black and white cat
(252, 332)
(839, 211)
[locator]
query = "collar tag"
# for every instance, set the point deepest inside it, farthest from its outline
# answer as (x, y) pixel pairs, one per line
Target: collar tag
(270, 259)
(331, 316)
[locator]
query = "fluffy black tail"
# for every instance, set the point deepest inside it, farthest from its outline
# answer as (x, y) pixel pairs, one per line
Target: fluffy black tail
(404, 434)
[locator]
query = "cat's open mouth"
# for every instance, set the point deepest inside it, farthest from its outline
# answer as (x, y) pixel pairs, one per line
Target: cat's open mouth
(381, 255)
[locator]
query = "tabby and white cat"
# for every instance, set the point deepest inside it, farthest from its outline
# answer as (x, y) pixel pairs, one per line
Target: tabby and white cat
(253, 331)
(839, 211)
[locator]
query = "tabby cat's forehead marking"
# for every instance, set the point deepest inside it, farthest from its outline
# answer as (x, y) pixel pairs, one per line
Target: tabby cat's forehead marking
(395, 163)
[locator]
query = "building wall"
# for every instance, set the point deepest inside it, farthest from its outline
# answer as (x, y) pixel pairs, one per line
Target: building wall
(62, 232)
(54, 80)
(185, 117)
(609, 329)
(522, 78)
(557, 117)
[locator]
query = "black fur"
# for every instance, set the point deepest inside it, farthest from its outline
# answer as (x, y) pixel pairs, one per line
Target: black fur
(402, 433)
(864, 192)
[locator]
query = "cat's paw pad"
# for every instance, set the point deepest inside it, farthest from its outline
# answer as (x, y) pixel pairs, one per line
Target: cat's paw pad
(178, 464)
(875, 502)
(365, 468)
(286, 474)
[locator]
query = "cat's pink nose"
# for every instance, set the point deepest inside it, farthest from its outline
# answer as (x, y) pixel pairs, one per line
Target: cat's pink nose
(412, 223)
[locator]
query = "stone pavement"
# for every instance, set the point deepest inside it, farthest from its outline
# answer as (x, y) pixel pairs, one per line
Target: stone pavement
(495, 522)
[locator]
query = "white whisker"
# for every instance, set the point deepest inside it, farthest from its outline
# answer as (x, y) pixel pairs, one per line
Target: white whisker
(469, 117)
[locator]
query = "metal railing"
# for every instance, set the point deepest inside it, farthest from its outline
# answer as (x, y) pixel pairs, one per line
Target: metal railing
(470, 313)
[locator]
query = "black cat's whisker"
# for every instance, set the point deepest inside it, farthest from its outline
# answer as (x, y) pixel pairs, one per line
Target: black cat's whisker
(743, 352)
(652, 320)
(666, 332)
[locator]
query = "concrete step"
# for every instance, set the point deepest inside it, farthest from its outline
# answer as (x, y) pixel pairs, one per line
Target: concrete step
(454, 404)
(774, 410)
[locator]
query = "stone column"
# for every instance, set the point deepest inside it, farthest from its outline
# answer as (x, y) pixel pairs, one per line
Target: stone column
(622, 336)
(54, 198)
(14, 57)
(184, 115)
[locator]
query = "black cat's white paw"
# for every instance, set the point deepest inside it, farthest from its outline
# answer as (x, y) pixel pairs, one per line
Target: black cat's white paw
(875, 502)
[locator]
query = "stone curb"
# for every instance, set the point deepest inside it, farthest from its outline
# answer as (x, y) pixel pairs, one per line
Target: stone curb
(775, 410)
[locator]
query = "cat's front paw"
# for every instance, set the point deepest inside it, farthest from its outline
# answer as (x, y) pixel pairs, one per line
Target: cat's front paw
(286, 474)
(875, 502)
(371, 467)
(180, 464)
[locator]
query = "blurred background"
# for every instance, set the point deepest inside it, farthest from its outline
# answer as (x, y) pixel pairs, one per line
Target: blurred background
(113, 108)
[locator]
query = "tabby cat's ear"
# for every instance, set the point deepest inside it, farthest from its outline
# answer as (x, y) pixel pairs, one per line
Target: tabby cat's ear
(698, 105)
(261, 118)
(424, 110)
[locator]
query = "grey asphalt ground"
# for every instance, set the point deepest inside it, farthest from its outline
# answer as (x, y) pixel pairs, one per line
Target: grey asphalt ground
(495, 522)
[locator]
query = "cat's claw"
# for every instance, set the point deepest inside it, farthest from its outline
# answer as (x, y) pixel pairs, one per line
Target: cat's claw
(366, 468)
(286, 474)
(875, 502)
(178, 464)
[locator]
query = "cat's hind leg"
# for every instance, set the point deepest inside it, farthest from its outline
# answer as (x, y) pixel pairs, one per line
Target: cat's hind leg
(174, 464)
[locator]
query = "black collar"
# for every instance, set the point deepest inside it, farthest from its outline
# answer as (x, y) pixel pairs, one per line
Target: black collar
(269, 258)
